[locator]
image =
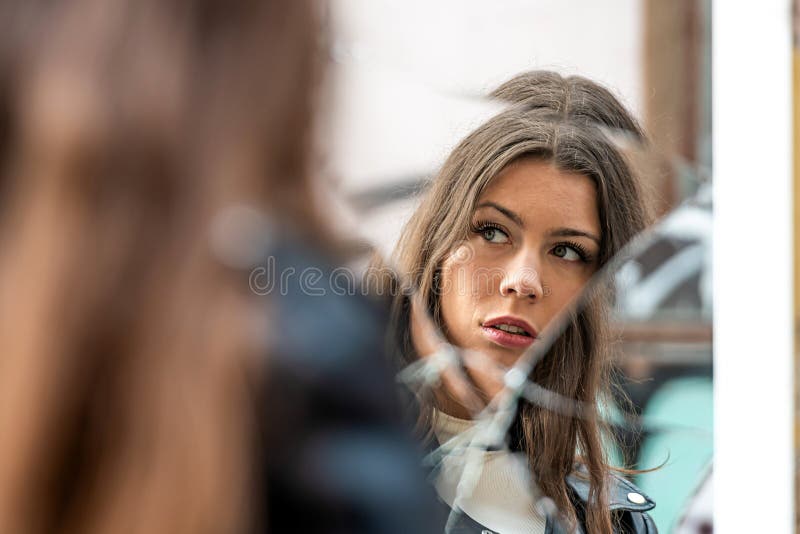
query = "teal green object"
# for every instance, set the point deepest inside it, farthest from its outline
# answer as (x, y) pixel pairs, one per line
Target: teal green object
(679, 419)
(610, 412)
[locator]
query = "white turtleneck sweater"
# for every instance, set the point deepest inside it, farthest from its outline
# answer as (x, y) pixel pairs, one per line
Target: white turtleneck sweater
(501, 499)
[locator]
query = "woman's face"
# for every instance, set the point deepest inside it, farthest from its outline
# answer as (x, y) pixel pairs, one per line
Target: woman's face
(533, 244)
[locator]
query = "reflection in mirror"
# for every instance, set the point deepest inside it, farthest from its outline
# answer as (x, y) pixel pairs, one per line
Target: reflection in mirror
(547, 263)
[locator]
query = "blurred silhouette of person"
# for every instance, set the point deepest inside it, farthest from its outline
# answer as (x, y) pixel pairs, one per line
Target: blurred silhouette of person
(135, 360)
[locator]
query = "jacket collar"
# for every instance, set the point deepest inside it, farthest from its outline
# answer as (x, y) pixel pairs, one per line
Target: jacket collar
(622, 494)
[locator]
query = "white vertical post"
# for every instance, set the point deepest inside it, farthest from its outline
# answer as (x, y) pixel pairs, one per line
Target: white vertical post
(753, 322)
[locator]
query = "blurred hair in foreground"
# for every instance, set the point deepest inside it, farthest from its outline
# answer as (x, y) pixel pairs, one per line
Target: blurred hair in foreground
(125, 360)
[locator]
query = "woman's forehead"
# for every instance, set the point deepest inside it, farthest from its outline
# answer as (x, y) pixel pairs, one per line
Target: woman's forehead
(537, 191)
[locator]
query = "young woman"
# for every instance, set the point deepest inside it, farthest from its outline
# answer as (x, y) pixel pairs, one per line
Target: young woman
(524, 212)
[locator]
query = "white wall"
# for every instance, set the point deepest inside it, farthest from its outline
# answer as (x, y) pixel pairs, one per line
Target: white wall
(408, 76)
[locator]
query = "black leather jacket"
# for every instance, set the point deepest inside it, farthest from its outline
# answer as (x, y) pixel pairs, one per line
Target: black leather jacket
(628, 505)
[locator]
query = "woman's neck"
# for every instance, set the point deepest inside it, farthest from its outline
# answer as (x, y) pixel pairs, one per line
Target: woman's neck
(446, 404)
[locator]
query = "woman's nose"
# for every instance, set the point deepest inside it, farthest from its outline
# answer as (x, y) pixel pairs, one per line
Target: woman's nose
(522, 281)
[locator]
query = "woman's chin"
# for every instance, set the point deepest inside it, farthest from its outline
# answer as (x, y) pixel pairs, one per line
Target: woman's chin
(504, 357)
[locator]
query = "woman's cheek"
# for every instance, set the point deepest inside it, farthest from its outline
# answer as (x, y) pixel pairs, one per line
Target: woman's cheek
(483, 277)
(456, 273)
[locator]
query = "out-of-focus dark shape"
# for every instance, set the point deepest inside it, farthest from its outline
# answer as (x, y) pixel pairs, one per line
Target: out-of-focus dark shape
(337, 456)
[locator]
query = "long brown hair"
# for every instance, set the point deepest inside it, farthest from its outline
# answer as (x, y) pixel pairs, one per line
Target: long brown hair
(125, 127)
(566, 121)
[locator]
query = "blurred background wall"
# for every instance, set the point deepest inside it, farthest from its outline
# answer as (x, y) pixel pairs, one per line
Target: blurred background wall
(408, 78)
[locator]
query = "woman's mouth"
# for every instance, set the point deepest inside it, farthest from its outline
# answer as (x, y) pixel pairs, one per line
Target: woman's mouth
(509, 332)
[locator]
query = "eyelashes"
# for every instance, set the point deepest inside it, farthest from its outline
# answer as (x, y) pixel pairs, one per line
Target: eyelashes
(482, 226)
(579, 249)
(489, 231)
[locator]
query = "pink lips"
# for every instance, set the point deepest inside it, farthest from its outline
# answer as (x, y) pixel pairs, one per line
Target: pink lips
(507, 339)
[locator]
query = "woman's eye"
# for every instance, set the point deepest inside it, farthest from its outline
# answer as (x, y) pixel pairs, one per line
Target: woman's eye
(494, 235)
(567, 253)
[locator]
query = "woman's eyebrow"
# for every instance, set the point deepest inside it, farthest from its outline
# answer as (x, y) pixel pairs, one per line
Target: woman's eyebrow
(572, 232)
(505, 211)
(557, 232)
